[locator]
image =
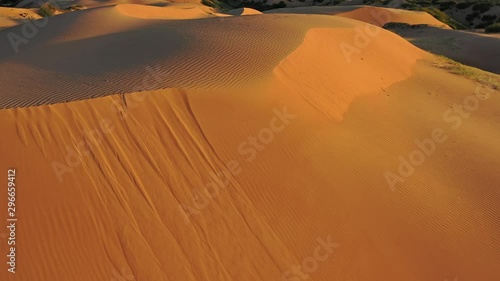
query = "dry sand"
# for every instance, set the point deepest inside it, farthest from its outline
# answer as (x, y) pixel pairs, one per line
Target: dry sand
(374, 15)
(204, 87)
(14, 16)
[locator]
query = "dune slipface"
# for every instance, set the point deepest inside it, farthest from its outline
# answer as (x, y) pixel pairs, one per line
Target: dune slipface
(259, 147)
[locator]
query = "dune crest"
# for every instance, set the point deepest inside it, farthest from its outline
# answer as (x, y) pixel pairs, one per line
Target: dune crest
(350, 71)
(243, 12)
(177, 12)
(381, 16)
(378, 16)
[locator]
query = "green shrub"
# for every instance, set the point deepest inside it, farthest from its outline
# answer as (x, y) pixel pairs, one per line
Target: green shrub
(483, 24)
(444, 18)
(494, 28)
(74, 8)
(260, 5)
(46, 10)
(464, 5)
(281, 4)
(482, 6)
(424, 3)
(221, 5)
(7, 3)
(446, 5)
(410, 6)
(471, 17)
(208, 3)
(489, 17)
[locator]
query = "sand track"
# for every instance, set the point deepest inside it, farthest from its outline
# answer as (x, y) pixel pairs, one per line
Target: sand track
(146, 154)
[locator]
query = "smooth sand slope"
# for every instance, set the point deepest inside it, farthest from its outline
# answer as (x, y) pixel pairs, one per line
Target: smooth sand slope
(248, 143)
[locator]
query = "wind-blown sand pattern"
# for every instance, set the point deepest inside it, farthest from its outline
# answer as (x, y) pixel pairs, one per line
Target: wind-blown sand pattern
(117, 118)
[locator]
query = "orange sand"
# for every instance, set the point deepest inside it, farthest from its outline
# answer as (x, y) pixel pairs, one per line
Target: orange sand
(131, 136)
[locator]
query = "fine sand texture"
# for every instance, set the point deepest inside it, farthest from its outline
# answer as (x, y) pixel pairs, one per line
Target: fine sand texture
(155, 145)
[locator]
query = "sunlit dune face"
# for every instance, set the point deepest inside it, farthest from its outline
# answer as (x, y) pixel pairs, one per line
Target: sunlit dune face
(173, 143)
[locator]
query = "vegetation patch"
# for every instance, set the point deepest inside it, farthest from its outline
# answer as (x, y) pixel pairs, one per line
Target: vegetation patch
(7, 3)
(494, 28)
(75, 8)
(447, 5)
(482, 6)
(463, 5)
(444, 18)
(47, 10)
(472, 73)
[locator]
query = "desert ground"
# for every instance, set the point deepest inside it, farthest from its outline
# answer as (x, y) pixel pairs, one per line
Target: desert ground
(174, 141)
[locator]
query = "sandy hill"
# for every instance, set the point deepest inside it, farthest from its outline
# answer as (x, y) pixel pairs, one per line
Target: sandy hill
(261, 147)
(374, 15)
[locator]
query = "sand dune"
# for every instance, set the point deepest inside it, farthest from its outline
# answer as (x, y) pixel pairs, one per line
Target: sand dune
(237, 148)
(373, 15)
(61, 74)
(14, 16)
(183, 11)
